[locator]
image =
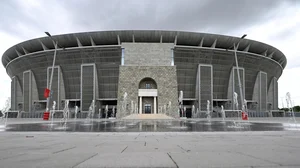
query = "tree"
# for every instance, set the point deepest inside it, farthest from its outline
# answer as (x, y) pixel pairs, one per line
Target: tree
(7, 105)
(297, 108)
(284, 109)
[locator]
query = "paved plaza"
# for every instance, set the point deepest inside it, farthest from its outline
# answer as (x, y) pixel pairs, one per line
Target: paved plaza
(149, 149)
(234, 149)
(251, 119)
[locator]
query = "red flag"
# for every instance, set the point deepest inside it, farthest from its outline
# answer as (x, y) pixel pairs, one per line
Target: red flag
(46, 93)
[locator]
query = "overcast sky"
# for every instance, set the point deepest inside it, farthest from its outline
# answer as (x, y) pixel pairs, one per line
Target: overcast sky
(275, 22)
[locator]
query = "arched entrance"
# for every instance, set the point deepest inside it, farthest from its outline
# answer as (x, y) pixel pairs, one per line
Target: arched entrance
(147, 96)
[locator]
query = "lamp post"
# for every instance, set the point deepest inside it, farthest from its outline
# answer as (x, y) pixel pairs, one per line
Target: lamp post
(238, 71)
(51, 77)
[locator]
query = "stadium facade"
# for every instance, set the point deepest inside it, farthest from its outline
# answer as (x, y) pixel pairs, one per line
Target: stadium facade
(151, 66)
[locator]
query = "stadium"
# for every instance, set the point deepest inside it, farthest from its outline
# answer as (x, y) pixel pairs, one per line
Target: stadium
(147, 67)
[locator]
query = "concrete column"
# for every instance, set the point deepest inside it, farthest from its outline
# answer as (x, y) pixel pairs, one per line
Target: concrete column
(140, 105)
(154, 104)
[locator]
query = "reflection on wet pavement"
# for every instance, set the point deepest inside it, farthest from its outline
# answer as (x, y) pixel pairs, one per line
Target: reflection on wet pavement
(150, 126)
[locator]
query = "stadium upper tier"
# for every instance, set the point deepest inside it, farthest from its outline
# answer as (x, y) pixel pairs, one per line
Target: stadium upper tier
(179, 38)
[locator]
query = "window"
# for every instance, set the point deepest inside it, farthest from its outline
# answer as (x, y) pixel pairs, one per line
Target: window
(148, 86)
(122, 58)
(172, 57)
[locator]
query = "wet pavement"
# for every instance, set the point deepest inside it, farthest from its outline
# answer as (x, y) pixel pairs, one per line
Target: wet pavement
(150, 126)
(261, 143)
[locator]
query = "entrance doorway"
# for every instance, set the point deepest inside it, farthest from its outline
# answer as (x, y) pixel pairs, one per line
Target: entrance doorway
(148, 109)
(147, 95)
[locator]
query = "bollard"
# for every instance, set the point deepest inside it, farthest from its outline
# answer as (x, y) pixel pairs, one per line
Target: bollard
(46, 116)
(244, 116)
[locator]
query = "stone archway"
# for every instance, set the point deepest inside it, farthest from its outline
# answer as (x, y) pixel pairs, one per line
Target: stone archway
(147, 96)
(143, 83)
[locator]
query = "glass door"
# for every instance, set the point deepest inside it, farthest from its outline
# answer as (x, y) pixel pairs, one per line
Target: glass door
(147, 108)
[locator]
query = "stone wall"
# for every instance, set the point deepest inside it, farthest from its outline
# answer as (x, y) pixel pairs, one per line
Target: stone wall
(165, 78)
(148, 54)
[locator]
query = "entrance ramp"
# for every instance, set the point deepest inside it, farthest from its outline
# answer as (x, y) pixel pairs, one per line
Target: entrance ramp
(147, 116)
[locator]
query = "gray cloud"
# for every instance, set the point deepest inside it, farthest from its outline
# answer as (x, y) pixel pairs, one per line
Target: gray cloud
(285, 33)
(189, 15)
(9, 16)
(14, 19)
(293, 64)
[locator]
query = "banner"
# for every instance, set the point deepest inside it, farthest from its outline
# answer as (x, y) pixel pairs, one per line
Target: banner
(46, 93)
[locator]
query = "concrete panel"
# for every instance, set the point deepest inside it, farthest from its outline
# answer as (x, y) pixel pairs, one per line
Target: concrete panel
(233, 86)
(58, 86)
(148, 92)
(16, 94)
(263, 92)
(29, 90)
(26, 91)
(55, 89)
(273, 94)
(260, 92)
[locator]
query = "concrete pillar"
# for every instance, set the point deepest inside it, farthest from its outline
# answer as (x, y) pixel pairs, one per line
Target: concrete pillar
(140, 105)
(154, 104)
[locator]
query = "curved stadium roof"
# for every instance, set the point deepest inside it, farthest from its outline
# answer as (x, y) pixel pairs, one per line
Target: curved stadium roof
(89, 39)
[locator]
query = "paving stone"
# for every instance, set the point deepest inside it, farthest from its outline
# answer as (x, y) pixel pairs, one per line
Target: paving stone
(145, 159)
